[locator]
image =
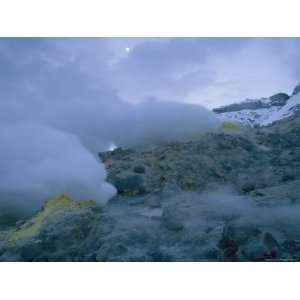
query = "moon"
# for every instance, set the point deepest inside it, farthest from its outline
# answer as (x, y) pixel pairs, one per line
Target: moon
(127, 49)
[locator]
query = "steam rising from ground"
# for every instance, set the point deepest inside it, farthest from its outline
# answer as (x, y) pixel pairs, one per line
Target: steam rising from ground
(214, 207)
(226, 203)
(54, 120)
(38, 162)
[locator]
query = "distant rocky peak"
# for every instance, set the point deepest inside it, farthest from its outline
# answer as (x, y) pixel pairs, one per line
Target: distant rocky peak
(296, 89)
(279, 99)
(263, 111)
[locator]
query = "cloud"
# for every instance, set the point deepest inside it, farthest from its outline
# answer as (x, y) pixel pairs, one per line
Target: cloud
(38, 162)
(90, 93)
(209, 71)
(56, 113)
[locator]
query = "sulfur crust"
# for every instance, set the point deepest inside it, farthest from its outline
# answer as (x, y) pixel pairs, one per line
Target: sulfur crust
(230, 125)
(60, 203)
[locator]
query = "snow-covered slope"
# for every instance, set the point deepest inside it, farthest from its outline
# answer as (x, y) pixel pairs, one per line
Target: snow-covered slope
(288, 110)
(250, 117)
(262, 112)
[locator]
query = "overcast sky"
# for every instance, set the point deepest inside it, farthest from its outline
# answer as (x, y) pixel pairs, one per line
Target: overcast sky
(207, 71)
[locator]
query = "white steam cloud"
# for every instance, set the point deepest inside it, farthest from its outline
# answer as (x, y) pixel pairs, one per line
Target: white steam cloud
(54, 120)
(38, 162)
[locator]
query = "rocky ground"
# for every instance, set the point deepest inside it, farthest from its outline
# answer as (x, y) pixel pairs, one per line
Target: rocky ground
(228, 195)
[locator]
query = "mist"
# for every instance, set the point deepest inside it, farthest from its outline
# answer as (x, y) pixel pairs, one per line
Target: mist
(222, 205)
(54, 119)
(64, 100)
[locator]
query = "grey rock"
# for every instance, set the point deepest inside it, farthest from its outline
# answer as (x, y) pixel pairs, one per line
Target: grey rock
(139, 169)
(279, 99)
(108, 251)
(252, 105)
(248, 243)
(172, 219)
(130, 185)
(296, 89)
(31, 250)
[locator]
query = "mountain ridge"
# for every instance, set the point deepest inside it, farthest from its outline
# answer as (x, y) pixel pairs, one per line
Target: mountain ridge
(263, 111)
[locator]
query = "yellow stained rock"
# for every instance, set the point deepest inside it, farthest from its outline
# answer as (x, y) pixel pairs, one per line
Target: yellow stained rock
(230, 125)
(58, 204)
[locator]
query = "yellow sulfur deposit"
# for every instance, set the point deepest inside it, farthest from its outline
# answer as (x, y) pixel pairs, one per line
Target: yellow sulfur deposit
(58, 204)
(230, 125)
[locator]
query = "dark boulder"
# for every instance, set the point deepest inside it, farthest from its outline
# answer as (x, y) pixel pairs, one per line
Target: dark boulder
(279, 99)
(131, 185)
(139, 169)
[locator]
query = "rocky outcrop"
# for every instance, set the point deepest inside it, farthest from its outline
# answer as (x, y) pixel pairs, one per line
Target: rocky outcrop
(228, 195)
(181, 166)
(247, 243)
(296, 89)
(262, 112)
(278, 99)
(53, 208)
(51, 233)
(251, 160)
(248, 104)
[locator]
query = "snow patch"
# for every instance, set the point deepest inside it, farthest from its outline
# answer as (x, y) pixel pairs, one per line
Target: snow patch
(263, 116)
